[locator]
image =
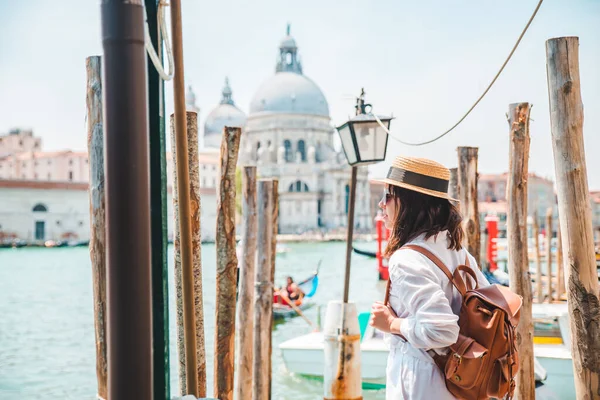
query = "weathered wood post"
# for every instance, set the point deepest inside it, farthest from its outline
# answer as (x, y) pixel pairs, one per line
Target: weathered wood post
(453, 183)
(467, 183)
(560, 270)
(226, 267)
(97, 211)
(263, 296)
(574, 210)
(538, 259)
(549, 254)
(275, 222)
(245, 314)
(195, 210)
(518, 262)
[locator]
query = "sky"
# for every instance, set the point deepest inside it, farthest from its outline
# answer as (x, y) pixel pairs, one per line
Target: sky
(425, 62)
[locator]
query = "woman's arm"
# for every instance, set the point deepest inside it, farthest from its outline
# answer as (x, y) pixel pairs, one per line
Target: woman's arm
(430, 323)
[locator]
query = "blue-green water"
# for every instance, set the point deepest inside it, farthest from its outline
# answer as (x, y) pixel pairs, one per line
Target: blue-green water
(47, 345)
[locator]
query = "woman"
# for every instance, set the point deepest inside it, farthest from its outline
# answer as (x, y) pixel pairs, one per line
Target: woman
(422, 314)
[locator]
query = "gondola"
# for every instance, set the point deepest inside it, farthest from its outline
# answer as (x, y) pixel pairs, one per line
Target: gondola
(367, 253)
(309, 287)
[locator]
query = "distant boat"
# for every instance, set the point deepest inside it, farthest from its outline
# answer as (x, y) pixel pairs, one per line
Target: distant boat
(367, 253)
(309, 286)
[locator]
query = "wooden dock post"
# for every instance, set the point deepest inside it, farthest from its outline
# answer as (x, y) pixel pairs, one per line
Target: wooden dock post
(560, 270)
(518, 262)
(195, 210)
(263, 297)
(245, 315)
(97, 245)
(549, 254)
(453, 183)
(538, 259)
(275, 222)
(226, 267)
(574, 210)
(467, 187)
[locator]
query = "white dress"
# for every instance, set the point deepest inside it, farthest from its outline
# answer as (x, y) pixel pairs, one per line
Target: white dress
(429, 305)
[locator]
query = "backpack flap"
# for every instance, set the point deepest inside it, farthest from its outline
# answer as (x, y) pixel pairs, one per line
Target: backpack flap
(465, 362)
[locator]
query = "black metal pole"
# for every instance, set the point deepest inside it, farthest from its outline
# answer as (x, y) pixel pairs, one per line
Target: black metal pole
(127, 201)
(158, 210)
(350, 232)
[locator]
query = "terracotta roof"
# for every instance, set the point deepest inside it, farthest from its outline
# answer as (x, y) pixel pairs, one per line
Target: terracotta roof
(23, 184)
(497, 207)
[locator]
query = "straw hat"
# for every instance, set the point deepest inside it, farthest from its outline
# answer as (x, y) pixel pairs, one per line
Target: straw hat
(419, 174)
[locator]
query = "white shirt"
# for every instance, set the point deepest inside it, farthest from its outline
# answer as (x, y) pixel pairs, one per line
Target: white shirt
(422, 295)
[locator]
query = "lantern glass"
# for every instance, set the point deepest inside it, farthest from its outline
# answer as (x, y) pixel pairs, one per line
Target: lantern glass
(346, 137)
(371, 140)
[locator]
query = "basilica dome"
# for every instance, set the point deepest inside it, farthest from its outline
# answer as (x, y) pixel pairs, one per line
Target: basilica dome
(225, 114)
(289, 91)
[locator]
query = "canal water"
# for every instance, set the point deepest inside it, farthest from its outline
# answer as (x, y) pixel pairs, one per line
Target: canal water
(47, 345)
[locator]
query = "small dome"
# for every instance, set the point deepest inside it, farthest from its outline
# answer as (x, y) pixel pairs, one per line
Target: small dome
(289, 92)
(225, 114)
(289, 43)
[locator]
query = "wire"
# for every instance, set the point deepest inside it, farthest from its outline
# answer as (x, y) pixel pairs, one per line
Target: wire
(480, 97)
(150, 49)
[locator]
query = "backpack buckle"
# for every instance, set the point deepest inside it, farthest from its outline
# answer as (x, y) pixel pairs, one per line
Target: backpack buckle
(458, 358)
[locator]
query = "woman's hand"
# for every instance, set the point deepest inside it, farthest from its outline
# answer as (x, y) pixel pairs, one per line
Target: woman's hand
(383, 318)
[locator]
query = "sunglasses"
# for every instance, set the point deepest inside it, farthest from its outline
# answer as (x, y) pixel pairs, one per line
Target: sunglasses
(386, 196)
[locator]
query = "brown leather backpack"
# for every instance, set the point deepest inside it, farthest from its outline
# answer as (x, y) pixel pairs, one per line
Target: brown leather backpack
(484, 361)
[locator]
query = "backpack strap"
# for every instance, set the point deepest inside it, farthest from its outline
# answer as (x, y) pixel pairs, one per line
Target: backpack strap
(455, 279)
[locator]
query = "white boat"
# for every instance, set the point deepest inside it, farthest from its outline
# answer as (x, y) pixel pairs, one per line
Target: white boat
(554, 351)
(304, 355)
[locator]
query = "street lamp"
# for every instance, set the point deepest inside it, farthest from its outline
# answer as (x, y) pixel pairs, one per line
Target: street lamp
(364, 137)
(364, 140)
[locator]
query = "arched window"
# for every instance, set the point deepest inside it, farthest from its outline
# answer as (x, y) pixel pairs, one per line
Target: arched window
(288, 150)
(40, 208)
(318, 152)
(298, 186)
(302, 150)
(257, 149)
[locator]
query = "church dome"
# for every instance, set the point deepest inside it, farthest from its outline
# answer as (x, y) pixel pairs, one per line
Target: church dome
(289, 91)
(225, 114)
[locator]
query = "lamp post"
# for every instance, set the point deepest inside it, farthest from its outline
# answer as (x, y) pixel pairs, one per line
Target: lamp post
(364, 140)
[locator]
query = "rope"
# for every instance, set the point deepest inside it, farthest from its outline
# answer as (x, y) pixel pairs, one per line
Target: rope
(480, 97)
(150, 49)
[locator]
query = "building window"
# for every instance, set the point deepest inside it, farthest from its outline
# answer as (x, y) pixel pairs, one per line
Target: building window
(214, 182)
(49, 177)
(80, 223)
(49, 162)
(36, 176)
(302, 150)
(288, 150)
(70, 175)
(40, 208)
(203, 182)
(57, 223)
(71, 162)
(298, 186)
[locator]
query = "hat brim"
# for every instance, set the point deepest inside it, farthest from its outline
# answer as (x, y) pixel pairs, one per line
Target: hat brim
(428, 192)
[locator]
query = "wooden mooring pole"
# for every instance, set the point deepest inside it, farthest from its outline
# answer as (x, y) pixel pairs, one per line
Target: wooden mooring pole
(195, 210)
(453, 183)
(97, 245)
(263, 296)
(549, 254)
(245, 314)
(574, 210)
(518, 262)
(275, 222)
(467, 188)
(226, 267)
(560, 270)
(538, 259)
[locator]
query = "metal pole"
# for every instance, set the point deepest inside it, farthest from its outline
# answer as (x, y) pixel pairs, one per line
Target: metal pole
(185, 229)
(350, 233)
(127, 201)
(158, 210)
